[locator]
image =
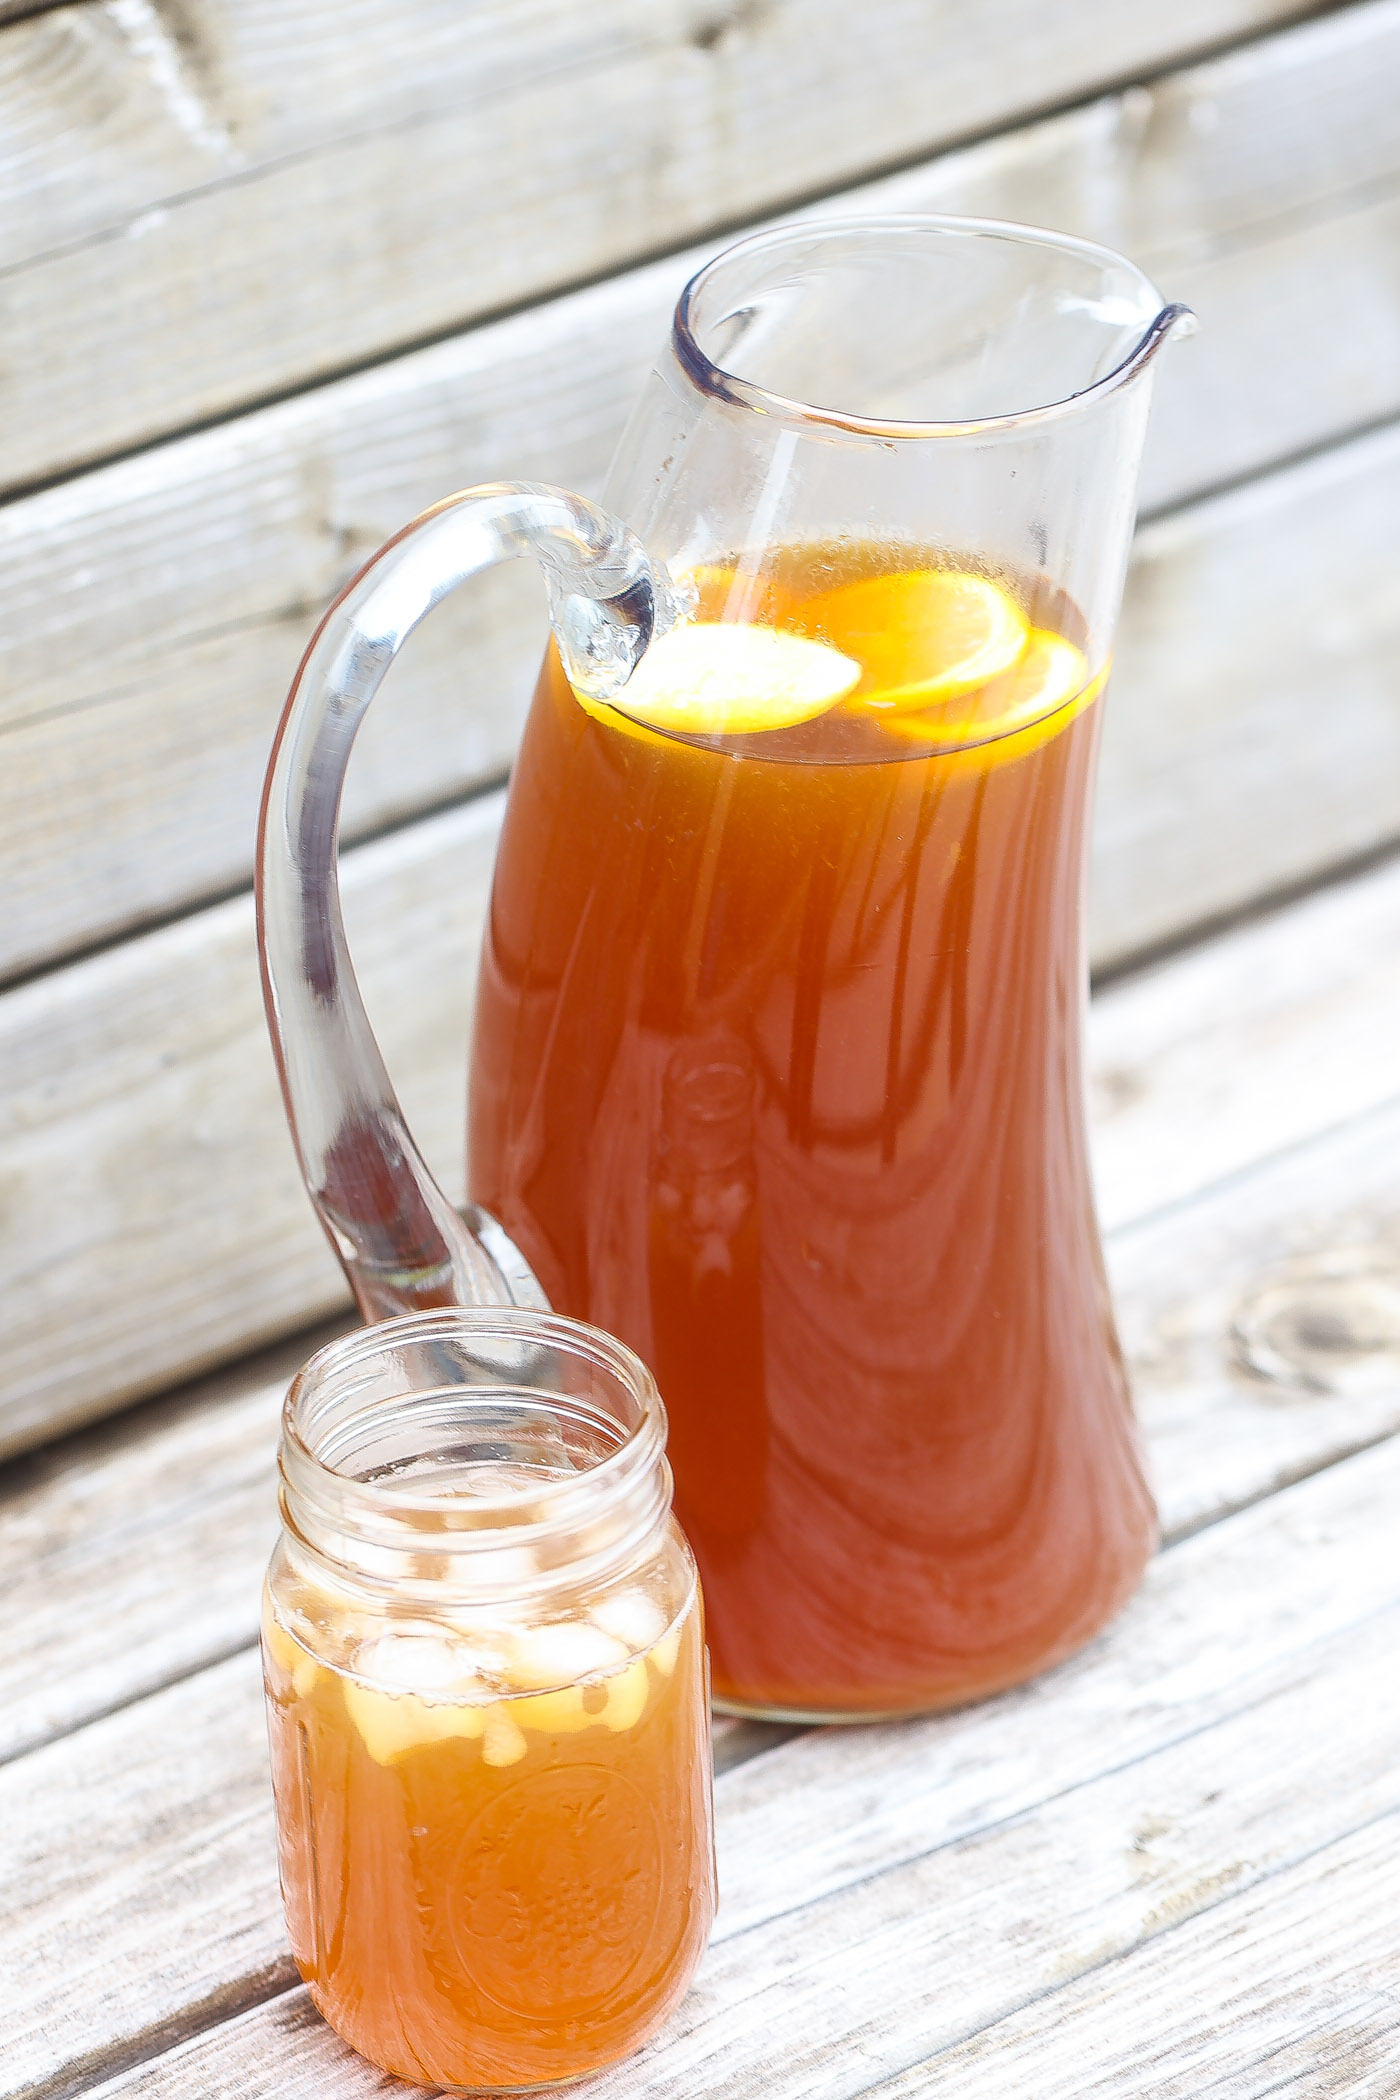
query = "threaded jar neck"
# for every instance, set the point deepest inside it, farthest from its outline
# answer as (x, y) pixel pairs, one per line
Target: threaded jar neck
(474, 1455)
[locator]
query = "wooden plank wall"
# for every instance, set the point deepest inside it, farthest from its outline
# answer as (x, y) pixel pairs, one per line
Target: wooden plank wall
(276, 275)
(331, 158)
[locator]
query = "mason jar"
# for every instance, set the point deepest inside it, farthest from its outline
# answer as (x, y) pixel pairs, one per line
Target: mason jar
(486, 1693)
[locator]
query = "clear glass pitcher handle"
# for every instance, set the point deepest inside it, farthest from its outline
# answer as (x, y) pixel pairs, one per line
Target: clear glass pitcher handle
(400, 1241)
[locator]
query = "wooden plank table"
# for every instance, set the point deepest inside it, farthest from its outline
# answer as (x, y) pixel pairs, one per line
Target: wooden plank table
(1170, 1867)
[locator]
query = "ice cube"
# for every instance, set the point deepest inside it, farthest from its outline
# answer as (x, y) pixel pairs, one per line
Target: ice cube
(413, 1658)
(563, 1654)
(424, 1686)
(630, 1616)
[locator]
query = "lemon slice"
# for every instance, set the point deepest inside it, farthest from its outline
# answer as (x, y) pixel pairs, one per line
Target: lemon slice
(730, 678)
(1050, 672)
(1013, 715)
(923, 636)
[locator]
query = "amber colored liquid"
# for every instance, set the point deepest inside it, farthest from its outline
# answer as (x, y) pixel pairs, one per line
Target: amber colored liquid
(777, 1077)
(502, 1909)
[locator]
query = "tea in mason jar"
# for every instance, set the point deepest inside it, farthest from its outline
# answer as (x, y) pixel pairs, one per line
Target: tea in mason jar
(490, 1746)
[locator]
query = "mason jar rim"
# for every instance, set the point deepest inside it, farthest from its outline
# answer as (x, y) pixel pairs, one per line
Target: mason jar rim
(513, 1322)
(565, 1520)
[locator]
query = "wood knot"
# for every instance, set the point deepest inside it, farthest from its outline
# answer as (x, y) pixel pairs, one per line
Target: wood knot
(1327, 1323)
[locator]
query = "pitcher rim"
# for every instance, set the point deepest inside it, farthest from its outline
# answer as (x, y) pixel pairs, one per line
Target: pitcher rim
(738, 392)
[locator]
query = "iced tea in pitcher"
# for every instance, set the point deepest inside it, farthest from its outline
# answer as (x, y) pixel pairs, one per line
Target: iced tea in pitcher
(782, 968)
(777, 1067)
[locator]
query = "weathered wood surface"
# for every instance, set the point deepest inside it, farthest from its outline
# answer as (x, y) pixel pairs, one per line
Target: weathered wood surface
(1288, 1990)
(96, 1541)
(372, 177)
(1319, 1222)
(825, 1999)
(152, 613)
(878, 1899)
(1254, 735)
(1245, 1045)
(1244, 1115)
(155, 1219)
(1253, 738)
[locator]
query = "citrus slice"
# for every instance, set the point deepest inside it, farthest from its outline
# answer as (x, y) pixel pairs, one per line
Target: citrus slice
(730, 678)
(1049, 674)
(923, 636)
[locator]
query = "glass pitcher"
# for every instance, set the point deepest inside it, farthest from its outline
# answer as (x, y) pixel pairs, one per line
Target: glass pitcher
(777, 1070)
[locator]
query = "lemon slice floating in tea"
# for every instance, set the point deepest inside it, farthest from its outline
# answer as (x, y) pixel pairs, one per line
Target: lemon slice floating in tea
(730, 678)
(1051, 672)
(923, 636)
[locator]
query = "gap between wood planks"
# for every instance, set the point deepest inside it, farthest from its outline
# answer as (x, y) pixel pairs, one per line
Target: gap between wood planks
(373, 834)
(1110, 975)
(721, 231)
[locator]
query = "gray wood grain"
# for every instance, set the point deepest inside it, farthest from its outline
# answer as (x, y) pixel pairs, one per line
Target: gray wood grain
(151, 614)
(155, 1221)
(826, 1999)
(375, 175)
(1289, 1989)
(1254, 732)
(102, 1854)
(1317, 1229)
(97, 1538)
(978, 1858)
(1245, 1045)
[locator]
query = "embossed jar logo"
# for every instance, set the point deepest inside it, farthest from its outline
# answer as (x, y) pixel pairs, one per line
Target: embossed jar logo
(536, 1889)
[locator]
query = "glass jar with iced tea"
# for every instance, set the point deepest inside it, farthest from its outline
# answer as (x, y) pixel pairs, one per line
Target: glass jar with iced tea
(777, 1067)
(487, 1706)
